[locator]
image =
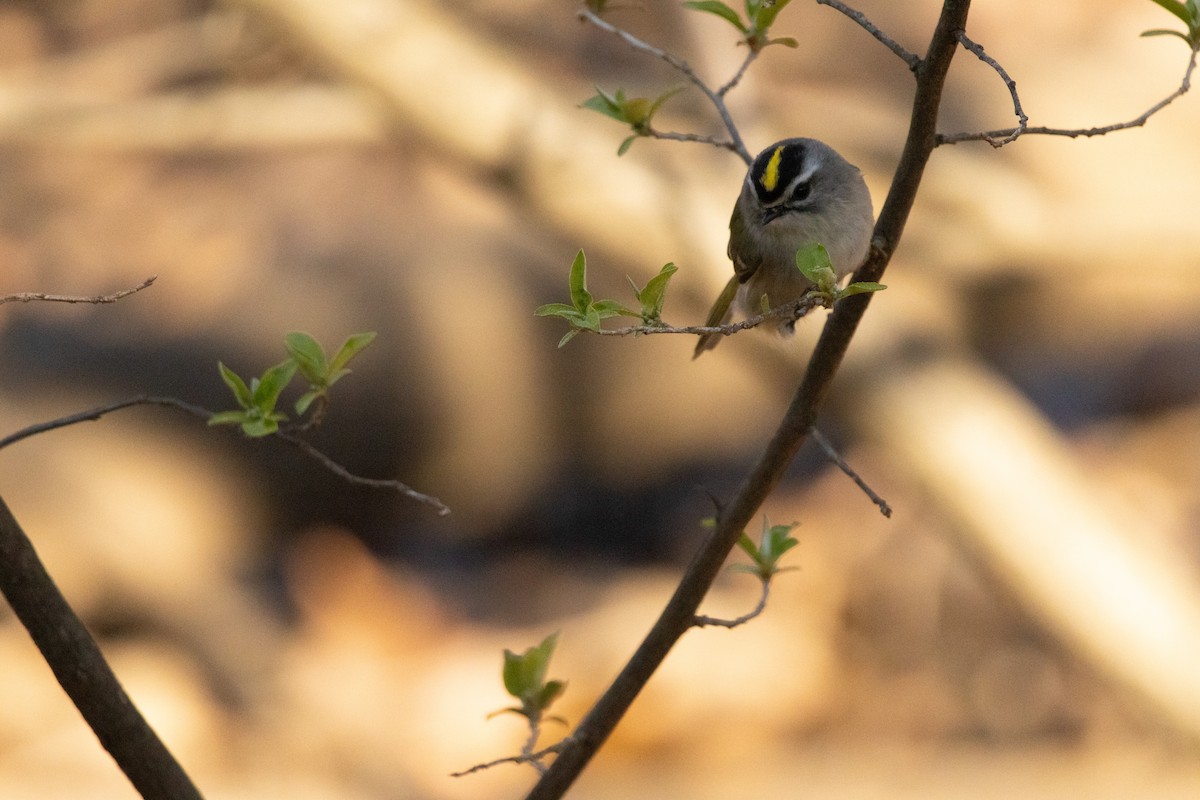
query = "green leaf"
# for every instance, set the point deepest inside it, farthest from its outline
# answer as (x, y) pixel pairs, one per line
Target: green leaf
(637, 112)
(554, 310)
(549, 693)
(1165, 32)
(350, 348)
(860, 287)
(613, 308)
(764, 16)
(266, 392)
(260, 426)
(509, 710)
(813, 261)
(306, 400)
(568, 336)
(514, 674)
(308, 355)
(228, 418)
(241, 392)
(606, 105)
(575, 318)
(786, 41)
(751, 549)
(626, 144)
(580, 296)
(720, 9)
(1178, 9)
(654, 294)
(524, 675)
(776, 541)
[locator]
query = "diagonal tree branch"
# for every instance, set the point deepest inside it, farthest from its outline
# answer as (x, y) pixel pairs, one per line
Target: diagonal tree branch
(678, 615)
(80, 668)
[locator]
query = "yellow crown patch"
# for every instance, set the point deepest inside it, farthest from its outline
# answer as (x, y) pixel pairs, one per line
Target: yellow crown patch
(770, 175)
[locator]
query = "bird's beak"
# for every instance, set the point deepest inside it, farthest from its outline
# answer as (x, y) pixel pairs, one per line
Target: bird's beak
(773, 212)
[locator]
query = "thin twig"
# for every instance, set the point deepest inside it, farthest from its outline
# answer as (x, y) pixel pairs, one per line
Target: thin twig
(913, 61)
(524, 758)
(535, 730)
(683, 68)
(204, 414)
(794, 310)
(751, 55)
(1073, 133)
(1022, 117)
(93, 414)
(28, 297)
(374, 483)
(700, 621)
(836, 457)
(691, 137)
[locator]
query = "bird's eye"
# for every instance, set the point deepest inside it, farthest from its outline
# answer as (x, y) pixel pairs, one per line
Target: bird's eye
(800, 192)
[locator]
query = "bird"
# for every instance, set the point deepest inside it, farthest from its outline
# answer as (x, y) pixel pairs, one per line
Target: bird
(798, 192)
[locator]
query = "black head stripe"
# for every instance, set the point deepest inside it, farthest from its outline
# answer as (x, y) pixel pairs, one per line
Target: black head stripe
(775, 169)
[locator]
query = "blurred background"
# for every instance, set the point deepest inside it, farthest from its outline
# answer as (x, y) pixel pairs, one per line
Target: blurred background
(1025, 394)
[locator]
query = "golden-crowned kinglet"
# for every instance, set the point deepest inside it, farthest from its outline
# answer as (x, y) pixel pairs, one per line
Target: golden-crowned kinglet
(798, 192)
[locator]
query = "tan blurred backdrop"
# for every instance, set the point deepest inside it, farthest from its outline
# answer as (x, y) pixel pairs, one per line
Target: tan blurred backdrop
(1026, 394)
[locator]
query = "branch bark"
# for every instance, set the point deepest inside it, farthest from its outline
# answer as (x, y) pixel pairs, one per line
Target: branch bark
(677, 616)
(83, 673)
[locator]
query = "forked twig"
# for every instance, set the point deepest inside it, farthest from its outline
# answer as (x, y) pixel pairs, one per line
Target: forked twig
(523, 758)
(204, 414)
(1022, 118)
(1005, 135)
(717, 98)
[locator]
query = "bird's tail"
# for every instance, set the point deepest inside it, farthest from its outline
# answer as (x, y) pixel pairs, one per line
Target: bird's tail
(722, 310)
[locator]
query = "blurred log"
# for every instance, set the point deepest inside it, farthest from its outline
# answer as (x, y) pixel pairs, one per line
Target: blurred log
(133, 65)
(250, 118)
(1022, 501)
(495, 114)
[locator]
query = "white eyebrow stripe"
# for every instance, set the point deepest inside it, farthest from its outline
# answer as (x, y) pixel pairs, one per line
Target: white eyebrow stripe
(810, 168)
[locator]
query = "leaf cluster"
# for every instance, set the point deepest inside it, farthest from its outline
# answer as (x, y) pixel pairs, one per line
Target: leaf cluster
(636, 112)
(1189, 13)
(258, 398)
(524, 678)
(585, 313)
(773, 543)
(813, 261)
